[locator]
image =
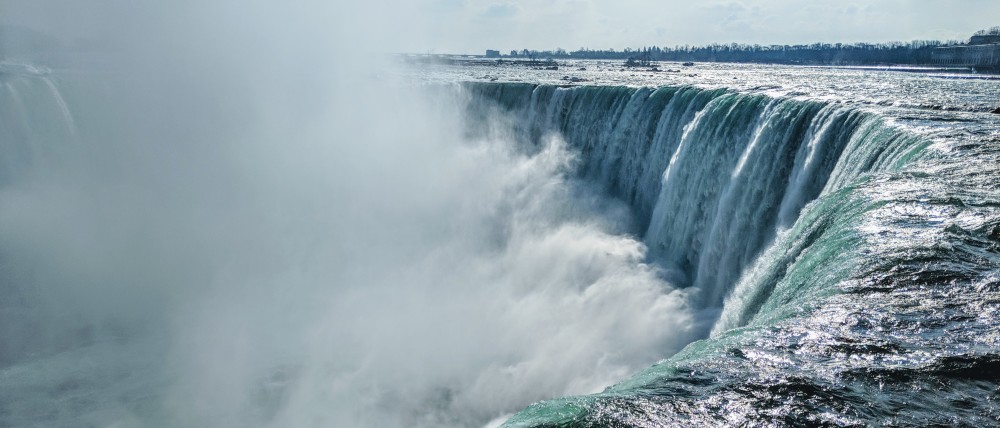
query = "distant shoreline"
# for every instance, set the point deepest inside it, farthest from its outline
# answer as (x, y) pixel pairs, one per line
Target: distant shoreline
(980, 53)
(482, 60)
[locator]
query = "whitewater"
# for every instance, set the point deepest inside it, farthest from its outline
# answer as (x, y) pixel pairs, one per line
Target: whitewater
(195, 236)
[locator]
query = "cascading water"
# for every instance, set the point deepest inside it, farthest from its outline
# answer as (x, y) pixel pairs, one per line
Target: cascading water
(30, 97)
(712, 175)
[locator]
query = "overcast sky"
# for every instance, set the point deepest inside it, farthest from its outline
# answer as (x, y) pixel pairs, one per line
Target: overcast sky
(471, 26)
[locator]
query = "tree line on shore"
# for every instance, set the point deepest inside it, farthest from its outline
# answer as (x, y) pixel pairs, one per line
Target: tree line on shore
(995, 31)
(914, 52)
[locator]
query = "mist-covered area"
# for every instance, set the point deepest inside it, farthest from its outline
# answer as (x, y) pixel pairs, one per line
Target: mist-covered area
(224, 214)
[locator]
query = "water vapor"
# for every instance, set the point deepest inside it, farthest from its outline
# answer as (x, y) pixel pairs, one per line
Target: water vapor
(247, 221)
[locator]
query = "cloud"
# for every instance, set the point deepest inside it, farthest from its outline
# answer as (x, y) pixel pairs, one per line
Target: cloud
(501, 10)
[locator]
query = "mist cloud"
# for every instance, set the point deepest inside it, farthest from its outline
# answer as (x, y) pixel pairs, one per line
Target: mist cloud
(247, 222)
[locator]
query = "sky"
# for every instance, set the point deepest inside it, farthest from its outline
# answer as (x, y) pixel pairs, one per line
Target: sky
(471, 26)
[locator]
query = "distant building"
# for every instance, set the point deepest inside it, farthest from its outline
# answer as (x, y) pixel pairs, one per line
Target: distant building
(984, 39)
(982, 53)
(981, 57)
(492, 53)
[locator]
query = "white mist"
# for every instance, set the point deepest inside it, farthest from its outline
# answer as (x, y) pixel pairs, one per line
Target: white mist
(254, 225)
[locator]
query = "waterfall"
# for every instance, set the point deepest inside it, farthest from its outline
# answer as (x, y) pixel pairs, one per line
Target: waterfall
(29, 97)
(713, 176)
(735, 208)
